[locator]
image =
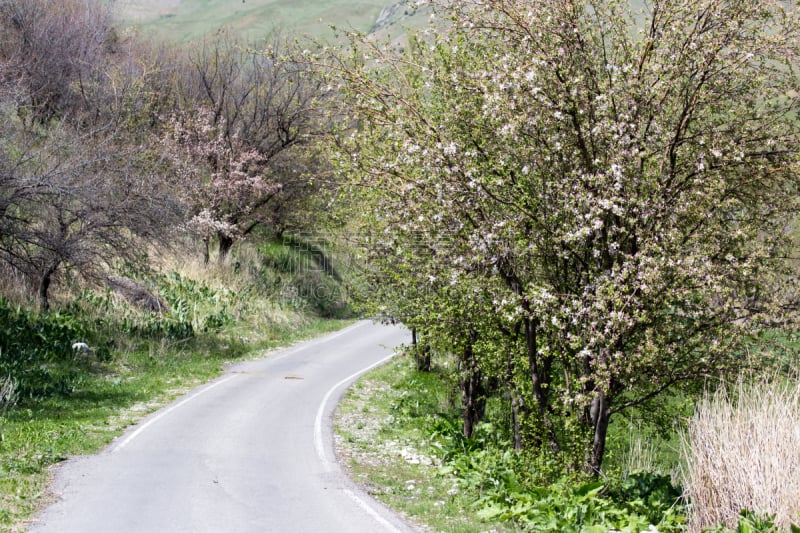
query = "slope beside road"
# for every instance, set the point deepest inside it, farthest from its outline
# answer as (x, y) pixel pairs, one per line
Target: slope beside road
(249, 452)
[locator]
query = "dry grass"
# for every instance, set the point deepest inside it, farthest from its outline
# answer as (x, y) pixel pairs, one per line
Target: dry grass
(15, 287)
(7, 393)
(185, 257)
(742, 451)
(258, 313)
(641, 453)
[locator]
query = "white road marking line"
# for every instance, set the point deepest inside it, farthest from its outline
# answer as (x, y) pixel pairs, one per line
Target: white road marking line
(167, 411)
(318, 444)
(329, 464)
(372, 512)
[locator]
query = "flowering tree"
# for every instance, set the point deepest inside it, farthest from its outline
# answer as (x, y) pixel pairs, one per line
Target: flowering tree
(248, 154)
(225, 181)
(615, 190)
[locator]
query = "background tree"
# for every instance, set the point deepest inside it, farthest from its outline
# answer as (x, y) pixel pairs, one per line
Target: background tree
(263, 110)
(81, 189)
(618, 187)
(80, 203)
(225, 181)
(51, 50)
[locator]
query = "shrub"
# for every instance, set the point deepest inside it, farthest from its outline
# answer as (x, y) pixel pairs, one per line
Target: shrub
(36, 349)
(740, 453)
(652, 496)
(487, 466)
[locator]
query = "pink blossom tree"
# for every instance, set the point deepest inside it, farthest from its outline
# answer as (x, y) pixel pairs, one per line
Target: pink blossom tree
(246, 137)
(226, 181)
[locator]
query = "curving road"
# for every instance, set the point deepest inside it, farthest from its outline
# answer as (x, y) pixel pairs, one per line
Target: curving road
(249, 452)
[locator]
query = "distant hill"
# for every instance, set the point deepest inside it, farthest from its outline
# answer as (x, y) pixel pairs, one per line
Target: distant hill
(185, 20)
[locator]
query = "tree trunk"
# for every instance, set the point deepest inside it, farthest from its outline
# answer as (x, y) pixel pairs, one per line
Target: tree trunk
(422, 353)
(540, 379)
(206, 251)
(44, 287)
(515, 400)
(600, 414)
(225, 245)
(473, 395)
(515, 421)
(424, 357)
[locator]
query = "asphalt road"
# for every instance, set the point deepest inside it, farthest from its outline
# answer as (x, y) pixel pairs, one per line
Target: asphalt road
(249, 452)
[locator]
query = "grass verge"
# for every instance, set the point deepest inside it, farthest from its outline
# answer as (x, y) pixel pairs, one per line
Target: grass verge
(398, 434)
(384, 443)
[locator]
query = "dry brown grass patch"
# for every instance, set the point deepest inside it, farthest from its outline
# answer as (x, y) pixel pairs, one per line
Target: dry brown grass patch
(742, 451)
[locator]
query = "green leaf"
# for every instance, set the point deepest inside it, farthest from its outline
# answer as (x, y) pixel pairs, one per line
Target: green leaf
(590, 489)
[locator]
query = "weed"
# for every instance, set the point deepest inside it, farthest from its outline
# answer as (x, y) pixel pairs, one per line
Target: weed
(36, 349)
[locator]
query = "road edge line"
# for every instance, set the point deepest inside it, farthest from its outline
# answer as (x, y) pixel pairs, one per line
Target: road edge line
(358, 500)
(319, 445)
(167, 411)
(331, 465)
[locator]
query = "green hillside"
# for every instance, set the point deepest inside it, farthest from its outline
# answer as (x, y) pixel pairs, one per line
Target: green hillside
(183, 20)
